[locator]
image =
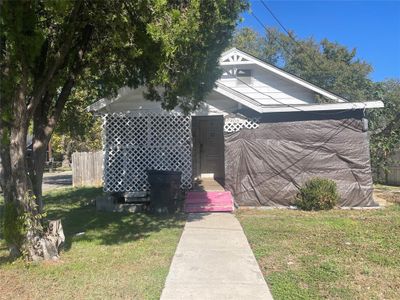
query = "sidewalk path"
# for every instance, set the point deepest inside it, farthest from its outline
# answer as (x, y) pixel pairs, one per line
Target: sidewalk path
(214, 261)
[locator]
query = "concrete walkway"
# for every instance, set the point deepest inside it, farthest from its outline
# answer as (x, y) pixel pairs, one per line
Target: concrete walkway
(214, 261)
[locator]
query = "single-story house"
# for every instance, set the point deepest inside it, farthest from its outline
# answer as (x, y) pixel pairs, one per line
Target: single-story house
(262, 132)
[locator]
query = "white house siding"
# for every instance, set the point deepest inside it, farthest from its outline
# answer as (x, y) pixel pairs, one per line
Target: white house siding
(266, 86)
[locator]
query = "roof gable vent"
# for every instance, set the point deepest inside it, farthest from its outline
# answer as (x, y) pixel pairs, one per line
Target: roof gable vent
(235, 58)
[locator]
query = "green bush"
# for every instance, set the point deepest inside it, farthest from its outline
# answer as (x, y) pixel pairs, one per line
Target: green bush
(317, 194)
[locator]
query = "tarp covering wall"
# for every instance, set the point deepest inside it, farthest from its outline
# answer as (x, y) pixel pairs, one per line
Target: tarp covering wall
(265, 166)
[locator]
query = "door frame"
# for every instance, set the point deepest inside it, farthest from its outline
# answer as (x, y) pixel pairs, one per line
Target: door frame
(196, 155)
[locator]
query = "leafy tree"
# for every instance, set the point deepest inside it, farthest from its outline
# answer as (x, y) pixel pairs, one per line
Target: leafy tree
(250, 41)
(84, 133)
(87, 139)
(385, 125)
(51, 48)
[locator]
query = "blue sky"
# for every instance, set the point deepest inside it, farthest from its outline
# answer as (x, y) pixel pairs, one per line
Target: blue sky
(372, 27)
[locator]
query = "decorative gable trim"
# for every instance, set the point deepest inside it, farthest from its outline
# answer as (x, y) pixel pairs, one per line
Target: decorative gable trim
(243, 58)
(234, 58)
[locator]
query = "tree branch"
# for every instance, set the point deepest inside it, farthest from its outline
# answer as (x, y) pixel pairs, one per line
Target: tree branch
(60, 58)
(393, 125)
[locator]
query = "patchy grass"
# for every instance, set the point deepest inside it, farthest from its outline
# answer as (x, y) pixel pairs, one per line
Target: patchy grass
(388, 193)
(386, 187)
(338, 254)
(117, 256)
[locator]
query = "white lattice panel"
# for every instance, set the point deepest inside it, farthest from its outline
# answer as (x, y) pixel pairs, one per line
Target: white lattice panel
(136, 142)
(235, 124)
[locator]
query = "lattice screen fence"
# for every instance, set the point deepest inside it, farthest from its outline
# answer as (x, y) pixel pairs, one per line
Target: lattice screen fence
(136, 142)
(233, 124)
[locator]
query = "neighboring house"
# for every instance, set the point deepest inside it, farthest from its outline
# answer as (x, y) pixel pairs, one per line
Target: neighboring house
(260, 131)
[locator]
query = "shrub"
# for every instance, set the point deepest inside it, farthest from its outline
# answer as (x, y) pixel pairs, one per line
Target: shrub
(317, 194)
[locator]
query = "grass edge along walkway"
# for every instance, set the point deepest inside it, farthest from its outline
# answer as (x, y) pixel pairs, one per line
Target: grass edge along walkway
(337, 254)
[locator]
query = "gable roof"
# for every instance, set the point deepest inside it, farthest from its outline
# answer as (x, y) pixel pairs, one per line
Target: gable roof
(235, 56)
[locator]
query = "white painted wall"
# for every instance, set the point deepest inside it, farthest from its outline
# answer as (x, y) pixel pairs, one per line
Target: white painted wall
(268, 86)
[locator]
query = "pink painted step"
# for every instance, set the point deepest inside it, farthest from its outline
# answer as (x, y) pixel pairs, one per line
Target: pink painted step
(208, 202)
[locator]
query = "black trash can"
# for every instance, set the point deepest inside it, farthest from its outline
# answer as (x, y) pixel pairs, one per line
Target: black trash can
(164, 191)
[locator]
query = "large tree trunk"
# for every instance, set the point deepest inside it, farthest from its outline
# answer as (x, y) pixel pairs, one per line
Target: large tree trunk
(44, 121)
(40, 141)
(18, 136)
(46, 116)
(38, 164)
(5, 164)
(18, 186)
(23, 210)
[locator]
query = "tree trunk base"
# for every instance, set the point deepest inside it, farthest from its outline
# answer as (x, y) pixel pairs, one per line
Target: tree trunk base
(14, 251)
(49, 245)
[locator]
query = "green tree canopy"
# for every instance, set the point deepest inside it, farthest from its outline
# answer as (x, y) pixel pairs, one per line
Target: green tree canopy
(50, 48)
(385, 124)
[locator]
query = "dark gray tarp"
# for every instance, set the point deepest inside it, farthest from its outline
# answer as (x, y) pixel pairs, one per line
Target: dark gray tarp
(265, 166)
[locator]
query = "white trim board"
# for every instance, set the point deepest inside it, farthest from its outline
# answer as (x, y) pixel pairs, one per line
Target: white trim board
(256, 106)
(324, 107)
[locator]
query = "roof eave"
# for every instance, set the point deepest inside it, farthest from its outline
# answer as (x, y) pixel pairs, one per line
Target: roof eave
(256, 106)
(323, 107)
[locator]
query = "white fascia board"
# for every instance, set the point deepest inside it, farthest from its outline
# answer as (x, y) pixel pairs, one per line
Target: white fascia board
(98, 105)
(230, 93)
(256, 106)
(251, 60)
(104, 102)
(323, 107)
(207, 109)
(122, 94)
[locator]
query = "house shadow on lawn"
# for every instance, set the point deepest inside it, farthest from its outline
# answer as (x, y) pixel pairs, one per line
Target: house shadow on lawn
(82, 222)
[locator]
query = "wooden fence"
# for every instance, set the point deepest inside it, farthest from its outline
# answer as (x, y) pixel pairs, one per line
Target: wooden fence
(87, 168)
(393, 178)
(393, 174)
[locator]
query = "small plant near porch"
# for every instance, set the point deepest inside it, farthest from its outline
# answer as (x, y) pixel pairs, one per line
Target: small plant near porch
(317, 194)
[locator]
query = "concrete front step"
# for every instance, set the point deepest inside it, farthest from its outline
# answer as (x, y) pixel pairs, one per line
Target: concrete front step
(208, 202)
(207, 208)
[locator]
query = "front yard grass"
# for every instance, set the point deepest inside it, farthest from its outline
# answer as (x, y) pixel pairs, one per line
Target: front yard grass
(107, 255)
(337, 254)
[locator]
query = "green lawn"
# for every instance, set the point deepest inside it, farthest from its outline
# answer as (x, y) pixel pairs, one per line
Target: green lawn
(118, 256)
(338, 254)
